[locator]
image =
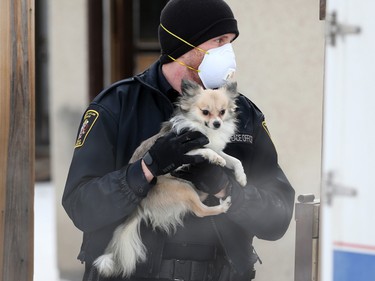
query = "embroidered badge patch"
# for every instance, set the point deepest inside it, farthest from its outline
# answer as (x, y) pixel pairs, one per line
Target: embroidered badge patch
(88, 121)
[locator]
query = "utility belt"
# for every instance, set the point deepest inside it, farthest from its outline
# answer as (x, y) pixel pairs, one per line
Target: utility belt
(184, 270)
(179, 270)
(187, 262)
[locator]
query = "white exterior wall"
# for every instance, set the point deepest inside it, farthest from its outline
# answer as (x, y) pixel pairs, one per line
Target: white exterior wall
(280, 67)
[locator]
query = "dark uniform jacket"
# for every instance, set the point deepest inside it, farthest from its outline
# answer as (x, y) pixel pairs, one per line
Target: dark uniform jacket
(98, 198)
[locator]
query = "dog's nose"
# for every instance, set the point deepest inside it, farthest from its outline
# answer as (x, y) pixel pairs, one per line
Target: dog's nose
(216, 124)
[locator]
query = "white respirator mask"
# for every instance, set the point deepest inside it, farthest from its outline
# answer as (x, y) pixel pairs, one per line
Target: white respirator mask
(217, 67)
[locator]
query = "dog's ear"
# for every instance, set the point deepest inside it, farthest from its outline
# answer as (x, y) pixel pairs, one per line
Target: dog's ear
(231, 88)
(189, 88)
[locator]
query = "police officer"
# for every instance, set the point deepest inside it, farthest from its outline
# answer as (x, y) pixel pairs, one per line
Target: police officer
(102, 189)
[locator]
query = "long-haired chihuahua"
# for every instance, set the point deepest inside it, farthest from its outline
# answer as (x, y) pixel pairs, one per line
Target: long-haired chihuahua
(211, 112)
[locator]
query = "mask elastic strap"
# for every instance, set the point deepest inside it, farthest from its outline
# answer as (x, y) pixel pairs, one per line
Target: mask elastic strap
(186, 42)
(184, 64)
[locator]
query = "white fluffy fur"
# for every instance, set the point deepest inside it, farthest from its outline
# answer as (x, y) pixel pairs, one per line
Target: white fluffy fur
(171, 198)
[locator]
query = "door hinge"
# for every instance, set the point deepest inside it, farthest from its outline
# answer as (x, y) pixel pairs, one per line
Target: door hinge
(336, 29)
(332, 189)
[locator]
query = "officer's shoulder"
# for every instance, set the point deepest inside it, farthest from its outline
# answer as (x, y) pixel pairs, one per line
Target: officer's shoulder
(248, 106)
(110, 91)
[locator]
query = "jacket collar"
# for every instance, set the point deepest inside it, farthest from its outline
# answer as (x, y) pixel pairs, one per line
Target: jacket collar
(153, 77)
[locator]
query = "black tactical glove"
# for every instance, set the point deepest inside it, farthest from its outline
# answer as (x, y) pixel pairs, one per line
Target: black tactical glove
(207, 177)
(168, 152)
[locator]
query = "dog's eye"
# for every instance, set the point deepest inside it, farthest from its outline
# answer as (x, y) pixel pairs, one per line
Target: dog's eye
(205, 112)
(222, 112)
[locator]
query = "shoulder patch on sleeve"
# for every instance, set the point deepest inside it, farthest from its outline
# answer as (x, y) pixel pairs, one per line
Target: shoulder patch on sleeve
(88, 122)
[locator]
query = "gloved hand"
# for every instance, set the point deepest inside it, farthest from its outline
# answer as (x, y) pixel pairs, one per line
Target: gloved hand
(207, 177)
(168, 152)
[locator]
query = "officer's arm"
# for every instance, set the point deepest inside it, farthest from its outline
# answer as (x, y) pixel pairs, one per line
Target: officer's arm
(97, 192)
(264, 206)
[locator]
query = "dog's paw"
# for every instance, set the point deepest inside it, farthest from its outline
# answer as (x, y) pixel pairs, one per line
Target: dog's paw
(226, 203)
(213, 157)
(218, 160)
(239, 174)
(210, 155)
(241, 178)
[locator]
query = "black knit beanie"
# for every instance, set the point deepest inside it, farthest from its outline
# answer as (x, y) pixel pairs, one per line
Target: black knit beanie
(194, 21)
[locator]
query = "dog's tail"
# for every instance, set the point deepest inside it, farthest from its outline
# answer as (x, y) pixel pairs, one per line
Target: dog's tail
(124, 251)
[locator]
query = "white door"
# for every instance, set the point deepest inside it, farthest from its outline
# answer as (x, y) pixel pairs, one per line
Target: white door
(348, 186)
